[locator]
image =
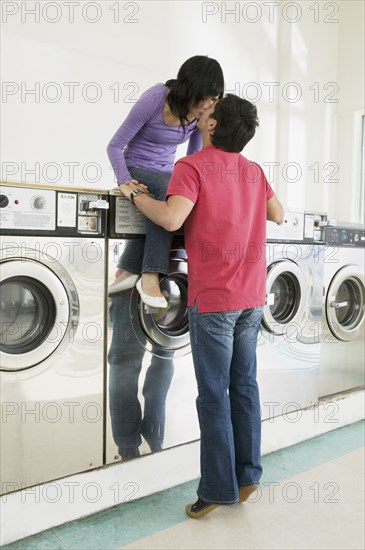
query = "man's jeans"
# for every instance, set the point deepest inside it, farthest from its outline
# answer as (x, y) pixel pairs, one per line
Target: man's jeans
(224, 353)
(125, 360)
(150, 254)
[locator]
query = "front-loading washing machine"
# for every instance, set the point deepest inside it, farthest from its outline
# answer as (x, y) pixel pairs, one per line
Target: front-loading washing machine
(343, 326)
(151, 381)
(288, 351)
(51, 332)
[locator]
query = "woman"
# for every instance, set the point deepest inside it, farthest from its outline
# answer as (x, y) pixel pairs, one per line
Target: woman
(143, 150)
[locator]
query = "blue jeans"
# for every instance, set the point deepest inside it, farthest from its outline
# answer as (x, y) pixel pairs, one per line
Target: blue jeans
(224, 353)
(125, 363)
(150, 254)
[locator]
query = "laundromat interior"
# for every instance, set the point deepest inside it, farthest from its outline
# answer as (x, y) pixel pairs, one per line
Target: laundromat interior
(71, 72)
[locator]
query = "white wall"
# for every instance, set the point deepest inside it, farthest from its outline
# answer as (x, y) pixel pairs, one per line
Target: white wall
(306, 125)
(346, 200)
(142, 49)
(301, 62)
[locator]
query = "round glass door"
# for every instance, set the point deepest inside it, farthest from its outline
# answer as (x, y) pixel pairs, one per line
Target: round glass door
(28, 313)
(345, 303)
(165, 333)
(35, 310)
(285, 298)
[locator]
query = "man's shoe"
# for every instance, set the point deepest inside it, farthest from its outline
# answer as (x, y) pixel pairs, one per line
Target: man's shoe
(121, 284)
(129, 454)
(246, 491)
(200, 508)
(158, 302)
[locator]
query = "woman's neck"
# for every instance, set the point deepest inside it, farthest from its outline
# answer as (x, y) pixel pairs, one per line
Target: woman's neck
(171, 120)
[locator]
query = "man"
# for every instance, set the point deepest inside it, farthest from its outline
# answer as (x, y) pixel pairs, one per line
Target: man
(224, 200)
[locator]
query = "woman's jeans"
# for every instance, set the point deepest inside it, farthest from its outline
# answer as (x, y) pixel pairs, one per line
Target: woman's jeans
(151, 254)
(224, 353)
(125, 361)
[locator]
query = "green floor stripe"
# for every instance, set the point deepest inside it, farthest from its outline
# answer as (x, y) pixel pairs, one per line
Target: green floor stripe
(134, 520)
(308, 454)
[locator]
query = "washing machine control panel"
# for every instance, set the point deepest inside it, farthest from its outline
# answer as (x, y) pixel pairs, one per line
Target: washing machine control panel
(128, 219)
(91, 211)
(125, 220)
(346, 236)
(41, 211)
(27, 208)
(292, 228)
(298, 226)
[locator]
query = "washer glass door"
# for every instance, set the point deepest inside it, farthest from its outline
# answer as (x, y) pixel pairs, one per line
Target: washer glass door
(286, 297)
(35, 310)
(166, 332)
(345, 303)
(28, 311)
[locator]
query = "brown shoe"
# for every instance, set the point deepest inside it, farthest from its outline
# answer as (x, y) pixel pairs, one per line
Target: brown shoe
(246, 491)
(200, 508)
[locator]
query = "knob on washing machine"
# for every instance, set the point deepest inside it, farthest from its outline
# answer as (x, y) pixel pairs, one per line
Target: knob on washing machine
(4, 201)
(38, 202)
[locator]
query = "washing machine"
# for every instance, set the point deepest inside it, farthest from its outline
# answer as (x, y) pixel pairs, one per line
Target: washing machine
(52, 262)
(151, 383)
(343, 342)
(288, 351)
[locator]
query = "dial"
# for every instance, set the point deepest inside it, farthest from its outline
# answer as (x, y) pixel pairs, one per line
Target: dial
(38, 202)
(4, 201)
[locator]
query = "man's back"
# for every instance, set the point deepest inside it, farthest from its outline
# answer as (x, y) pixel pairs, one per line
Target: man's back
(225, 234)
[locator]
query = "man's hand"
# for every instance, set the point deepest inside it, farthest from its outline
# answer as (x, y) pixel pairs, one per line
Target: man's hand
(127, 187)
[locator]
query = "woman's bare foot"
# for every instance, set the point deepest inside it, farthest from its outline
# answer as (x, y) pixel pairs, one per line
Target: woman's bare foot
(151, 284)
(124, 280)
(121, 274)
(149, 290)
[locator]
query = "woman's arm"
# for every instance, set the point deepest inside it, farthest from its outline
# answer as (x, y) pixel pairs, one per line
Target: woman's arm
(138, 116)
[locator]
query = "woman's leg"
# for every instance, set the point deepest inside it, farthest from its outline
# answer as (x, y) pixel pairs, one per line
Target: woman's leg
(156, 385)
(125, 361)
(158, 240)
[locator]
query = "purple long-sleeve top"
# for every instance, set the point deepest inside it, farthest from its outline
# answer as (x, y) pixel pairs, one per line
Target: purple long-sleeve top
(145, 141)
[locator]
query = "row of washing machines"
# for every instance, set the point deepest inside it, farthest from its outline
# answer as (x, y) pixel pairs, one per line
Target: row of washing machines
(87, 379)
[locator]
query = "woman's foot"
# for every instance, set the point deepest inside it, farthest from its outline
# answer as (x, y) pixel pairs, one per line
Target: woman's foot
(124, 280)
(149, 289)
(151, 284)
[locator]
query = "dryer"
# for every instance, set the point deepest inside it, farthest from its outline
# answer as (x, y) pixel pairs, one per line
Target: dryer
(343, 326)
(151, 381)
(288, 351)
(51, 333)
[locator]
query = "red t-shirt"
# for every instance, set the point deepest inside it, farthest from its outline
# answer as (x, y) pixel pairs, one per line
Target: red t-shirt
(225, 233)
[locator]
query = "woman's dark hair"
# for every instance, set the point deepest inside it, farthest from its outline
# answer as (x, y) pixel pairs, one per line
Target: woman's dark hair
(236, 123)
(199, 77)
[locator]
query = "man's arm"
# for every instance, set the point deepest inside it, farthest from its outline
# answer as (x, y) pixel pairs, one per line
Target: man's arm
(170, 214)
(274, 210)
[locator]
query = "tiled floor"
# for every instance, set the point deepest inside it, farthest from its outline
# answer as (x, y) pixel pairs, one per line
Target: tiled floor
(311, 497)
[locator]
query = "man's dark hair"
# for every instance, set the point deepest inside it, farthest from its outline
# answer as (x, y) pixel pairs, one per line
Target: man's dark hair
(236, 123)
